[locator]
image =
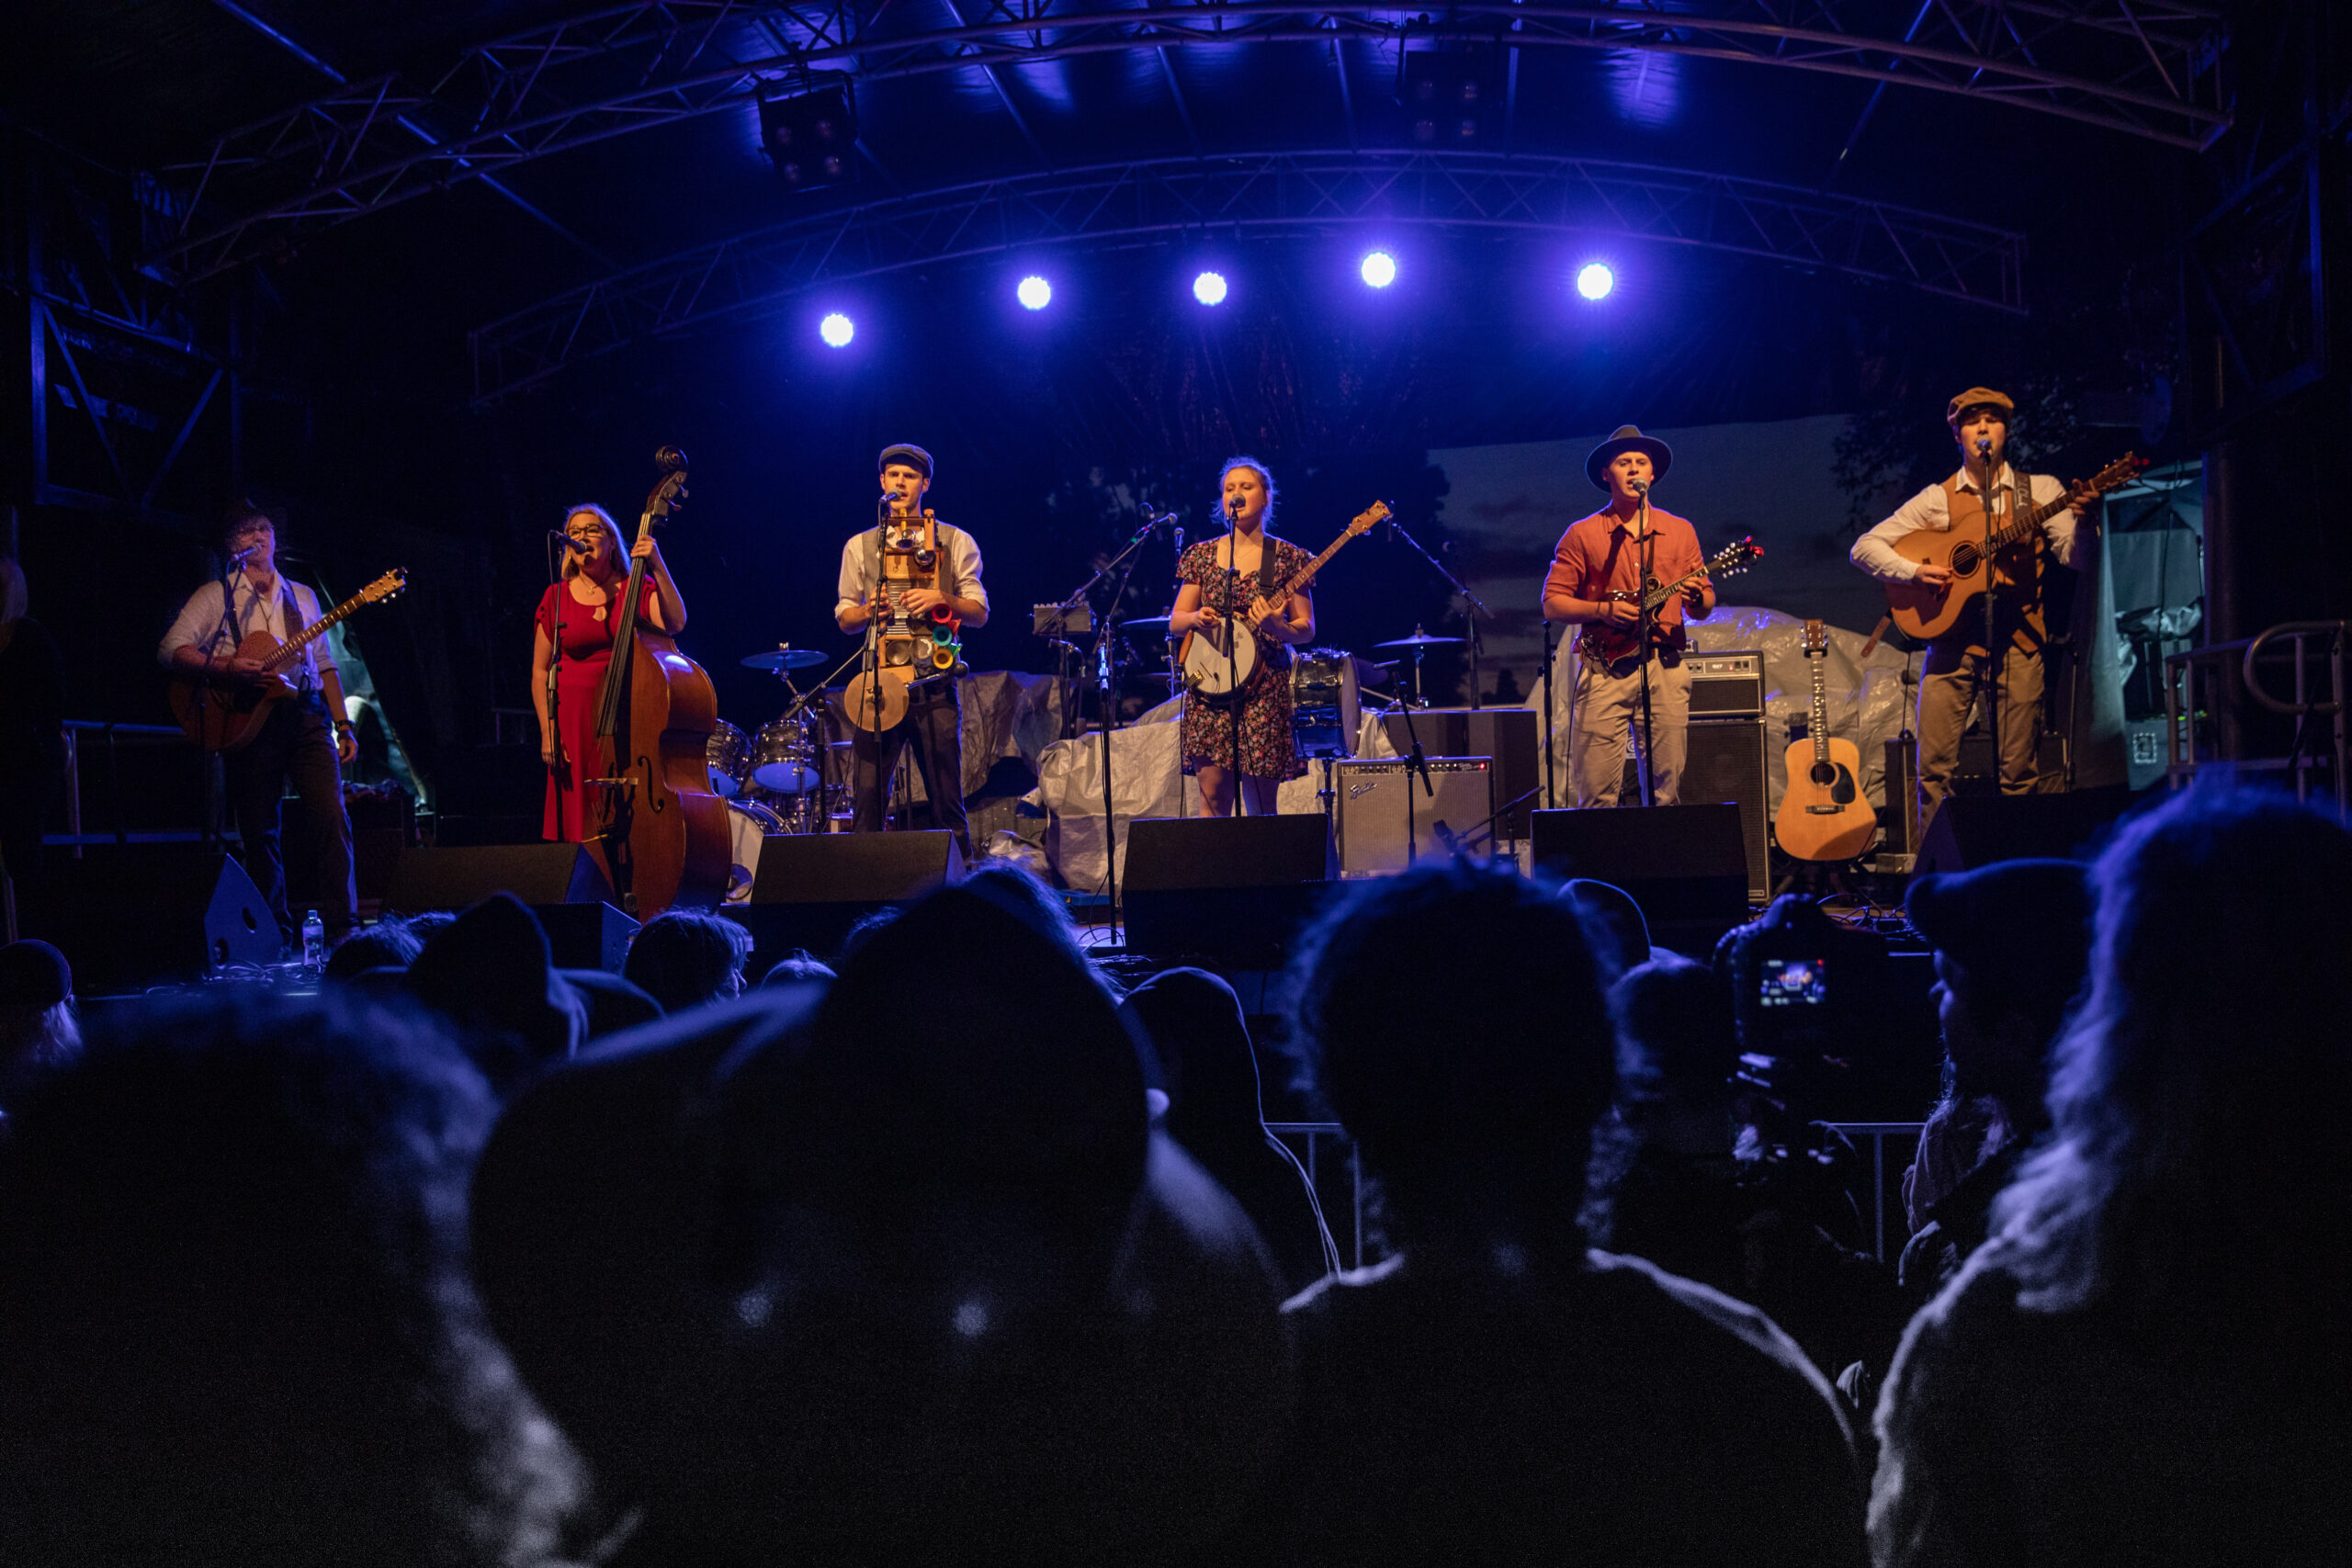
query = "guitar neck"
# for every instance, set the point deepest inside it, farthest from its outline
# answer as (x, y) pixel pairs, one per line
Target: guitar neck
(1306, 574)
(1820, 709)
(291, 649)
(2023, 522)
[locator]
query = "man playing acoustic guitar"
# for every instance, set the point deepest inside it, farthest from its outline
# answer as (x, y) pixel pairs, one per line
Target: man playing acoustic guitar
(1979, 418)
(1596, 581)
(293, 745)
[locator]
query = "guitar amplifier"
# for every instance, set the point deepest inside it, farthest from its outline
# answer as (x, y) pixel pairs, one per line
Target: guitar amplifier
(1725, 684)
(1387, 821)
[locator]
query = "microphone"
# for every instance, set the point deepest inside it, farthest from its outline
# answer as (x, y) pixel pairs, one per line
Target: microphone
(1179, 541)
(1640, 487)
(1233, 507)
(560, 537)
(1984, 447)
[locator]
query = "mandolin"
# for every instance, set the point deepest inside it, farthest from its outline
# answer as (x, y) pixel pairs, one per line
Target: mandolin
(1927, 613)
(661, 836)
(1207, 671)
(1609, 644)
(1824, 813)
(224, 713)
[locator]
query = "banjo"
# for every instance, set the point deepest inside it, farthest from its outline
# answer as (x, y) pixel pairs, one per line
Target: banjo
(1208, 671)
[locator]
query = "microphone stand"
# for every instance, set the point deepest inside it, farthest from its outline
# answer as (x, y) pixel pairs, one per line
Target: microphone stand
(1550, 786)
(1995, 658)
(871, 653)
(1105, 636)
(231, 564)
(1472, 608)
(1232, 653)
(1642, 641)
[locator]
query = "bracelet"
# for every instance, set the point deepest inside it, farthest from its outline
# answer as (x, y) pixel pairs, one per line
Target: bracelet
(342, 724)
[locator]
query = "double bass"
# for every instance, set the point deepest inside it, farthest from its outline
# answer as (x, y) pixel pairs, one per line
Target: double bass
(660, 835)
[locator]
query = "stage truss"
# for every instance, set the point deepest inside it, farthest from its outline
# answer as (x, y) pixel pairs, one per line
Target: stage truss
(2143, 68)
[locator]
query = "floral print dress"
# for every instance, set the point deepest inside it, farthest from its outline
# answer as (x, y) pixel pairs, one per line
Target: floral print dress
(1268, 749)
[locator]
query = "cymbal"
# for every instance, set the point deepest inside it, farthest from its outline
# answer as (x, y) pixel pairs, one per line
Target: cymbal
(1145, 623)
(1422, 640)
(783, 659)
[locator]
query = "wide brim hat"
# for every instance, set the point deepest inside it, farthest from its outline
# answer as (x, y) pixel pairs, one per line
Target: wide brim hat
(1629, 438)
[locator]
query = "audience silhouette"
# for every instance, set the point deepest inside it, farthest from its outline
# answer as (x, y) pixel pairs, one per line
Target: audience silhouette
(1496, 1391)
(686, 959)
(2146, 1363)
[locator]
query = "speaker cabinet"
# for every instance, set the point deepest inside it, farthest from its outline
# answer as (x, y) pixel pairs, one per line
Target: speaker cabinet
(813, 887)
(1236, 888)
(1510, 736)
(458, 879)
(1724, 762)
(1683, 864)
(1723, 684)
(125, 921)
(1902, 812)
(1968, 831)
(1387, 821)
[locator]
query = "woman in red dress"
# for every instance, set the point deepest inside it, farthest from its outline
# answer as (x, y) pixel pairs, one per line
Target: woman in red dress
(574, 645)
(1269, 754)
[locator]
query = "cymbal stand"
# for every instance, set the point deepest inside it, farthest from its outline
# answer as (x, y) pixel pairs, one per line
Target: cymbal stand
(1472, 608)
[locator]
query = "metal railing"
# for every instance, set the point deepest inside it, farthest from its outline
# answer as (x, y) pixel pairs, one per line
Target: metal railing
(79, 734)
(2197, 682)
(1317, 1141)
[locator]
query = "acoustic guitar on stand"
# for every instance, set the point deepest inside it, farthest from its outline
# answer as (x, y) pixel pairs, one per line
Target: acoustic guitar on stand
(1927, 613)
(224, 713)
(1207, 670)
(1824, 813)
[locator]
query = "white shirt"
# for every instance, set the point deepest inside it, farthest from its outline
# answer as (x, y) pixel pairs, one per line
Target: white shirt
(960, 574)
(1931, 508)
(198, 625)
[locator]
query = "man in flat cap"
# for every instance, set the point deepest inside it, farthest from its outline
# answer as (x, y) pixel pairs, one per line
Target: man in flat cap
(1598, 571)
(950, 582)
(1979, 418)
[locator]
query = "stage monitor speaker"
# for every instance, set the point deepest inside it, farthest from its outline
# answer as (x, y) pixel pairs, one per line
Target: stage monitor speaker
(1386, 820)
(1724, 762)
(1231, 888)
(1968, 831)
(1902, 811)
(1511, 735)
(126, 921)
(1685, 865)
(459, 879)
(813, 887)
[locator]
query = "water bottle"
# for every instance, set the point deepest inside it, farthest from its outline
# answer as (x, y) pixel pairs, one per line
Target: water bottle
(314, 941)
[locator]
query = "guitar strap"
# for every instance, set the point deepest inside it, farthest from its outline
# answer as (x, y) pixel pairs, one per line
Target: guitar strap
(294, 623)
(1268, 560)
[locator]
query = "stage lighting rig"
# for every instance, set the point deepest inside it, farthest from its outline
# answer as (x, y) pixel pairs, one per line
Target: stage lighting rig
(811, 134)
(837, 330)
(1209, 289)
(1379, 269)
(1034, 292)
(1451, 96)
(1594, 280)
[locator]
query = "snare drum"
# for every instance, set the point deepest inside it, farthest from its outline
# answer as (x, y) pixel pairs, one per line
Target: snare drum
(1323, 702)
(784, 761)
(728, 753)
(748, 822)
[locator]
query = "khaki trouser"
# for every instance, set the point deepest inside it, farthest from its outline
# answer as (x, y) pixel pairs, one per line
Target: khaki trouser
(1947, 691)
(1606, 712)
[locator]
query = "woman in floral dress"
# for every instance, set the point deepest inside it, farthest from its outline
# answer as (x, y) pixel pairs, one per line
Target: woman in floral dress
(1269, 754)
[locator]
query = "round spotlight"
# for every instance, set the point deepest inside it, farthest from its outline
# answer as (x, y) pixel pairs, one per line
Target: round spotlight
(1379, 269)
(1209, 289)
(1034, 292)
(837, 330)
(1595, 281)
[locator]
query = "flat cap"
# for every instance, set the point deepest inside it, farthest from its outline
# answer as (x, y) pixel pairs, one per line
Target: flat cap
(905, 452)
(1974, 398)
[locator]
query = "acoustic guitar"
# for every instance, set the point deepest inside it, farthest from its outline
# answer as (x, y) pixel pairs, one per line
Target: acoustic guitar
(223, 713)
(1927, 613)
(1824, 813)
(1207, 671)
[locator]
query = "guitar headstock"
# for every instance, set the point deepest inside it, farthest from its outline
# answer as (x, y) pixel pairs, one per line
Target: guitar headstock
(1816, 639)
(2121, 472)
(1363, 522)
(385, 587)
(1736, 557)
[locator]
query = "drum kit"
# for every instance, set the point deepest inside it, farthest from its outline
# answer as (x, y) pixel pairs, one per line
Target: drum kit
(791, 777)
(1325, 684)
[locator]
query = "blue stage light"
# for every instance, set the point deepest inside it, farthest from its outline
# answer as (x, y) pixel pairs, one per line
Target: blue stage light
(1379, 269)
(1034, 292)
(1595, 281)
(1209, 289)
(837, 330)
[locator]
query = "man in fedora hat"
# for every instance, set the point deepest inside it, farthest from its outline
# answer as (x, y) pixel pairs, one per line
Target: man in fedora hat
(1596, 581)
(1979, 420)
(933, 721)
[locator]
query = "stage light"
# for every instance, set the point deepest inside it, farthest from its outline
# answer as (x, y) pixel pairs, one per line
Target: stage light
(837, 330)
(1209, 289)
(1379, 269)
(1595, 281)
(1034, 292)
(812, 135)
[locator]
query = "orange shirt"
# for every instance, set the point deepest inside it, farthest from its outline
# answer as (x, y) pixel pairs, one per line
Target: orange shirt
(1598, 556)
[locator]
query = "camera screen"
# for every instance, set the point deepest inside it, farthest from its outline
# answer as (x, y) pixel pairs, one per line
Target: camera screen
(1792, 983)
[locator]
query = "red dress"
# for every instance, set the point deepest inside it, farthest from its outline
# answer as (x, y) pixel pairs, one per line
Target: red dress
(582, 635)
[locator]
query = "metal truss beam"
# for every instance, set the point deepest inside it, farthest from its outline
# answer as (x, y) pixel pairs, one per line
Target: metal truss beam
(2143, 68)
(1271, 194)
